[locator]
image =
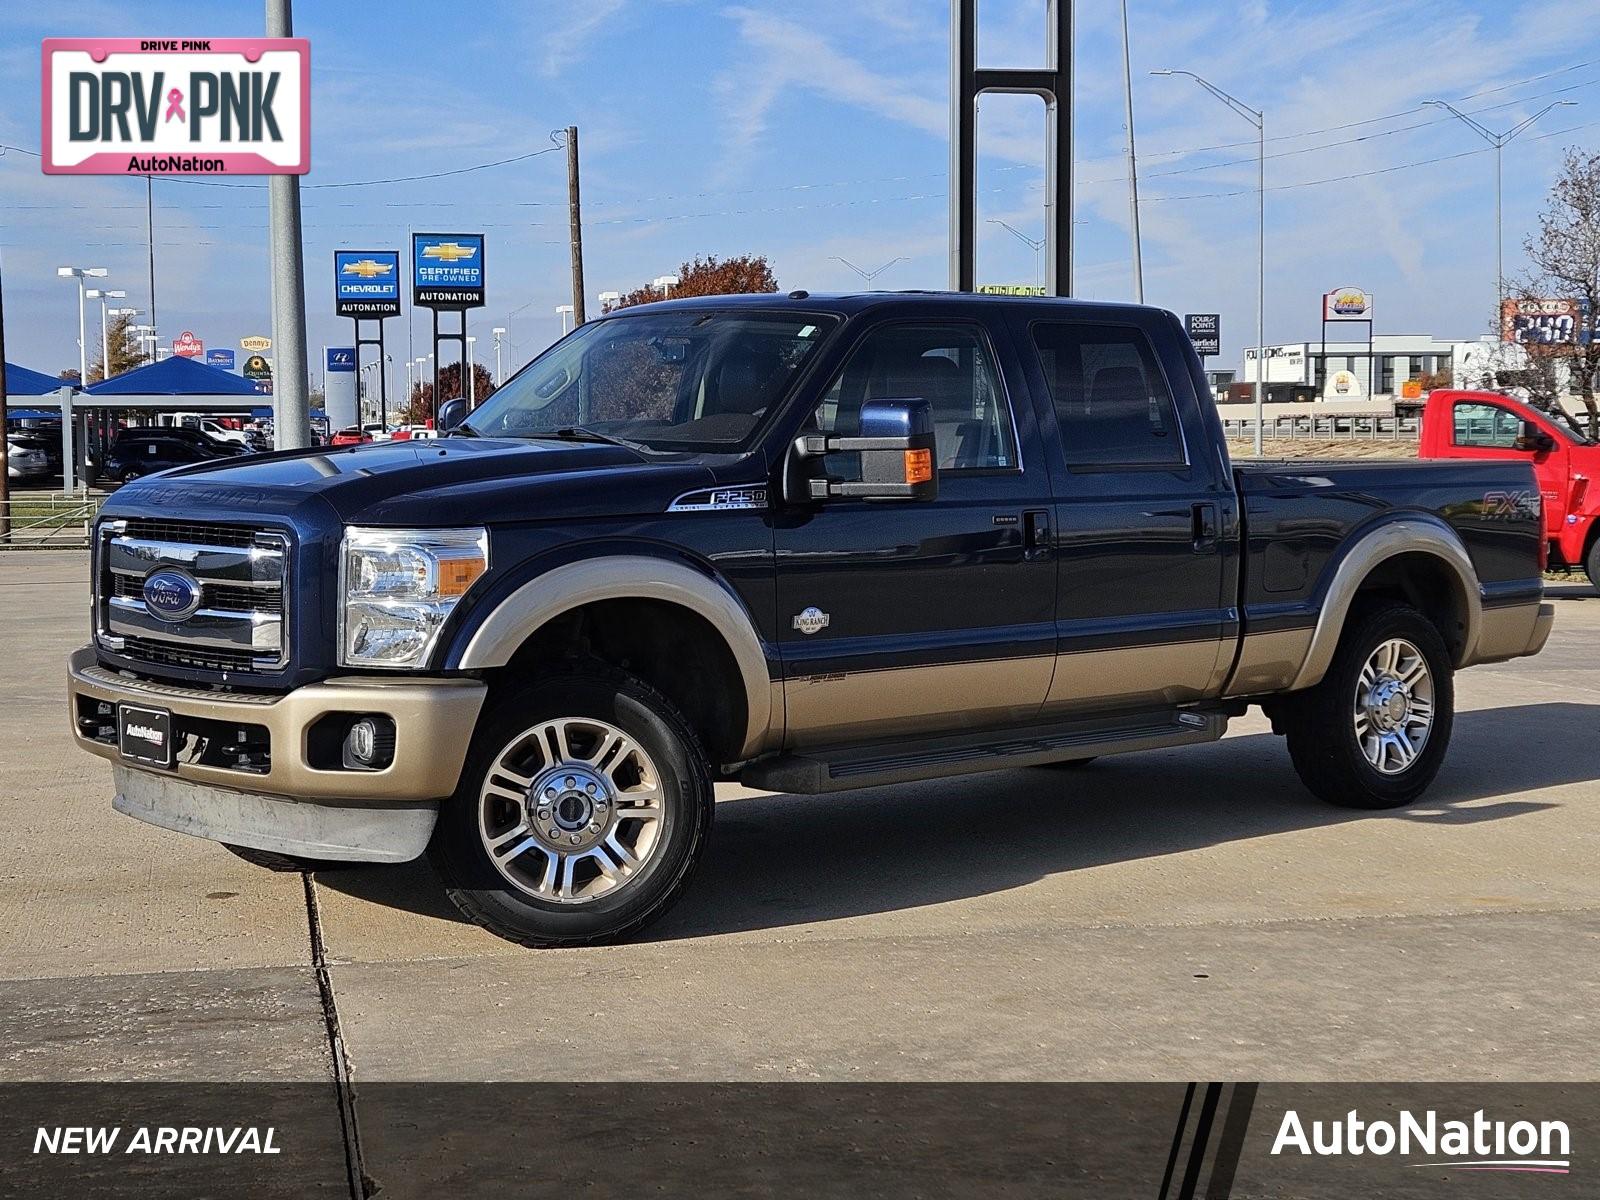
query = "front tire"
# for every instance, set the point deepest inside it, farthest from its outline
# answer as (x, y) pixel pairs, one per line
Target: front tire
(1373, 733)
(583, 808)
(1591, 563)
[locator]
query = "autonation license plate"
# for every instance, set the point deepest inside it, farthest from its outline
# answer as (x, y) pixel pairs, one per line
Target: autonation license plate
(145, 734)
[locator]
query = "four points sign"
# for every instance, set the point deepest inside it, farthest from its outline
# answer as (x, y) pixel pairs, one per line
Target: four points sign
(148, 106)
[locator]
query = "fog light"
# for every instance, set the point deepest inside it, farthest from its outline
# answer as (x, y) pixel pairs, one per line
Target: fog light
(369, 746)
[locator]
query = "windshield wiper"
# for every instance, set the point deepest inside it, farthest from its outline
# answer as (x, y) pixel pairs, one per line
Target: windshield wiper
(582, 433)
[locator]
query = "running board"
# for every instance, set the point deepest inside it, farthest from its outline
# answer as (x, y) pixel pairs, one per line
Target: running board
(836, 770)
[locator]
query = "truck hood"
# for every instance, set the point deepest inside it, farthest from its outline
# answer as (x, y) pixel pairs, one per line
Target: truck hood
(439, 482)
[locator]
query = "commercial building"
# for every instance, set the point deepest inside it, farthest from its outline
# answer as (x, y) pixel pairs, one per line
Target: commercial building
(1347, 370)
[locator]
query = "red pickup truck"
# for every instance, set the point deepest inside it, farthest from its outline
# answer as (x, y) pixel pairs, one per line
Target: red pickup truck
(1459, 424)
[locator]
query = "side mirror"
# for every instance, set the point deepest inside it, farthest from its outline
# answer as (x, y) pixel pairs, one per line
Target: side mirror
(451, 413)
(896, 445)
(1535, 439)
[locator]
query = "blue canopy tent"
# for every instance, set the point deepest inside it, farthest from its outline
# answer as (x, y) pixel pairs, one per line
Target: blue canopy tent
(172, 384)
(22, 382)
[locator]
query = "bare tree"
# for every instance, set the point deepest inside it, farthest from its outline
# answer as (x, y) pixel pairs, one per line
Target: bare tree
(1564, 255)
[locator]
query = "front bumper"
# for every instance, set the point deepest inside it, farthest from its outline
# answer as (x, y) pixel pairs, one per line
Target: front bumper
(433, 719)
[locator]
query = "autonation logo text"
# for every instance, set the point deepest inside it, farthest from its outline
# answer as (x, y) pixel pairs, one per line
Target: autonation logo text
(1478, 1144)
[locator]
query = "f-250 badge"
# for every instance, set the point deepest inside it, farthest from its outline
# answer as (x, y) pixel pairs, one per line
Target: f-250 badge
(1511, 505)
(811, 620)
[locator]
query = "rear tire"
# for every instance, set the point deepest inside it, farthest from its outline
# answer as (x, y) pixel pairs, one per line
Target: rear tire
(582, 811)
(1591, 563)
(1373, 733)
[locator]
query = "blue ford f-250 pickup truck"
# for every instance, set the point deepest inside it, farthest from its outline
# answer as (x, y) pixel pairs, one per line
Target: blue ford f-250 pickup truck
(806, 542)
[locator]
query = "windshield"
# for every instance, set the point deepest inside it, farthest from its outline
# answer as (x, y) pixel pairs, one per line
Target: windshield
(1568, 424)
(690, 380)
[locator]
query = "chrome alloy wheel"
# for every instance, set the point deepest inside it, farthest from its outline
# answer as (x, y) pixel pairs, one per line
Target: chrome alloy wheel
(1394, 706)
(571, 810)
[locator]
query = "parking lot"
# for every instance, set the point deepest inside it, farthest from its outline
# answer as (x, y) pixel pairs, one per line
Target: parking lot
(1172, 915)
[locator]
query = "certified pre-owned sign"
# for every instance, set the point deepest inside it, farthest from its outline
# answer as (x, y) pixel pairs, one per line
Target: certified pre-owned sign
(156, 106)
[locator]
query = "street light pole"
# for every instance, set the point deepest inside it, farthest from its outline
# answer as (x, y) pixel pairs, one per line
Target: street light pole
(1133, 162)
(1257, 118)
(1498, 141)
(499, 332)
(1037, 244)
(869, 276)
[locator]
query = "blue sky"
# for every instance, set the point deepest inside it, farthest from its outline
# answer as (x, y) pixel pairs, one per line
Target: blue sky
(805, 132)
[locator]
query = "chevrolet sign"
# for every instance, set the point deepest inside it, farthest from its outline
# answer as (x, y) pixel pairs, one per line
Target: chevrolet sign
(366, 283)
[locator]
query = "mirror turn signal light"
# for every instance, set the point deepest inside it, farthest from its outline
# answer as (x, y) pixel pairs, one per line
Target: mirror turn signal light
(919, 466)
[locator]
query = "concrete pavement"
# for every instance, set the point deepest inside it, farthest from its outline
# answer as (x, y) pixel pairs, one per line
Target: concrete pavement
(1170, 915)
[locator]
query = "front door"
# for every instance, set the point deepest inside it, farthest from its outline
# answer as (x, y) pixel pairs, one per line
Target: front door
(899, 618)
(1482, 429)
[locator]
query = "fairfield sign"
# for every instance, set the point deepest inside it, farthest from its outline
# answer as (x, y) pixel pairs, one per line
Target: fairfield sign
(146, 106)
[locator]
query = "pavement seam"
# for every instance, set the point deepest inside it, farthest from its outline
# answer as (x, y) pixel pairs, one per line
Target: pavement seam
(355, 1165)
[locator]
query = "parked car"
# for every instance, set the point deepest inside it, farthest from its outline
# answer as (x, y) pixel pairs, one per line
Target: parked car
(147, 449)
(354, 435)
(26, 460)
(1489, 426)
(809, 543)
(209, 426)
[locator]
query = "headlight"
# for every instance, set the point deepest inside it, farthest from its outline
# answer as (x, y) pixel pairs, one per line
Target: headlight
(399, 586)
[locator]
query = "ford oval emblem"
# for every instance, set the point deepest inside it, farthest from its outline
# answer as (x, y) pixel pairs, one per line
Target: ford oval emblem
(171, 594)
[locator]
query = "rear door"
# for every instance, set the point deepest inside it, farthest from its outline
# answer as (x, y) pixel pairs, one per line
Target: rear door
(904, 618)
(1143, 504)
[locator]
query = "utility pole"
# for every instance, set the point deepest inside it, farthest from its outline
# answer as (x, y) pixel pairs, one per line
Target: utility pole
(5, 466)
(1133, 162)
(575, 226)
(291, 400)
(1498, 141)
(150, 239)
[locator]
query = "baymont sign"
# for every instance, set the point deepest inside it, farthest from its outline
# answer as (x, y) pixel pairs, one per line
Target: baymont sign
(148, 106)
(1475, 1144)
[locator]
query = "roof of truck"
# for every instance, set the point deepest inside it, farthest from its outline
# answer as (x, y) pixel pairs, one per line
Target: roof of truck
(849, 303)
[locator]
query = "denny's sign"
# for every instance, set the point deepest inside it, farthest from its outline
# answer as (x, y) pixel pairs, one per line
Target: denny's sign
(148, 106)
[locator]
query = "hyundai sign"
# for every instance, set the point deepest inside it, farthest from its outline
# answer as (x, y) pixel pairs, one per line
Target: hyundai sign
(366, 283)
(170, 106)
(447, 270)
(341, 359)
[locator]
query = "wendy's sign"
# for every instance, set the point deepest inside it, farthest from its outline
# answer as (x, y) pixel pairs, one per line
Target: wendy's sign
(149, 106)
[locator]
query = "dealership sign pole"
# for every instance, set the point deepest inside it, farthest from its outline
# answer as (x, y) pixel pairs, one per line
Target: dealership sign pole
(366, 287)
(198, 106)
(447, 274)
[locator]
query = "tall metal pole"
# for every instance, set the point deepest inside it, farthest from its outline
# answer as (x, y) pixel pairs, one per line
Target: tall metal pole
(150, 239)
(1499, 234)
(575, 226)
(1133, 162)
(5, 466)
(83, 340)
(291, 400)
(1261, 273)
(105, 343)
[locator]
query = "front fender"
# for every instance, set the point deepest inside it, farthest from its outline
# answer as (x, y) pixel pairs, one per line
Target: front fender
(518, 615)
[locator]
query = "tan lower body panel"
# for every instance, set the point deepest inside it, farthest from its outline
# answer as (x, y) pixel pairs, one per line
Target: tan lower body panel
(1172, 673)
(1268, 662)
(871, 705)
(1513, 631)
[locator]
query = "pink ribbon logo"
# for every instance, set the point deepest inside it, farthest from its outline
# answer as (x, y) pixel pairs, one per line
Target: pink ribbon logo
(174, 106)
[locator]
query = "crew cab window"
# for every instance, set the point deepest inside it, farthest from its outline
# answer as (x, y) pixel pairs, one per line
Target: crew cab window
(1110, 397)
(1487, 425)
(949, 366)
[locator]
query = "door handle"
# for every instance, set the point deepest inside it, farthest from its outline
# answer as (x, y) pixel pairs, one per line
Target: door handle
(1036, 544)
(1204, 528)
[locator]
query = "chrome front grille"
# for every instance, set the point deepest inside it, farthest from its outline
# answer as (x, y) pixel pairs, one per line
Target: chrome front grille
(238, 624)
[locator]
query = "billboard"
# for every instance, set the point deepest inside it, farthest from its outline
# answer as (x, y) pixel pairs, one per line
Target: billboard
(1205, 331)
(447, 270)
(176, 106)
(366, 283)
(1542, 324)
(220, 358)
(186, 345)
(1347, 304)
(255, 343)
(339, 387)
